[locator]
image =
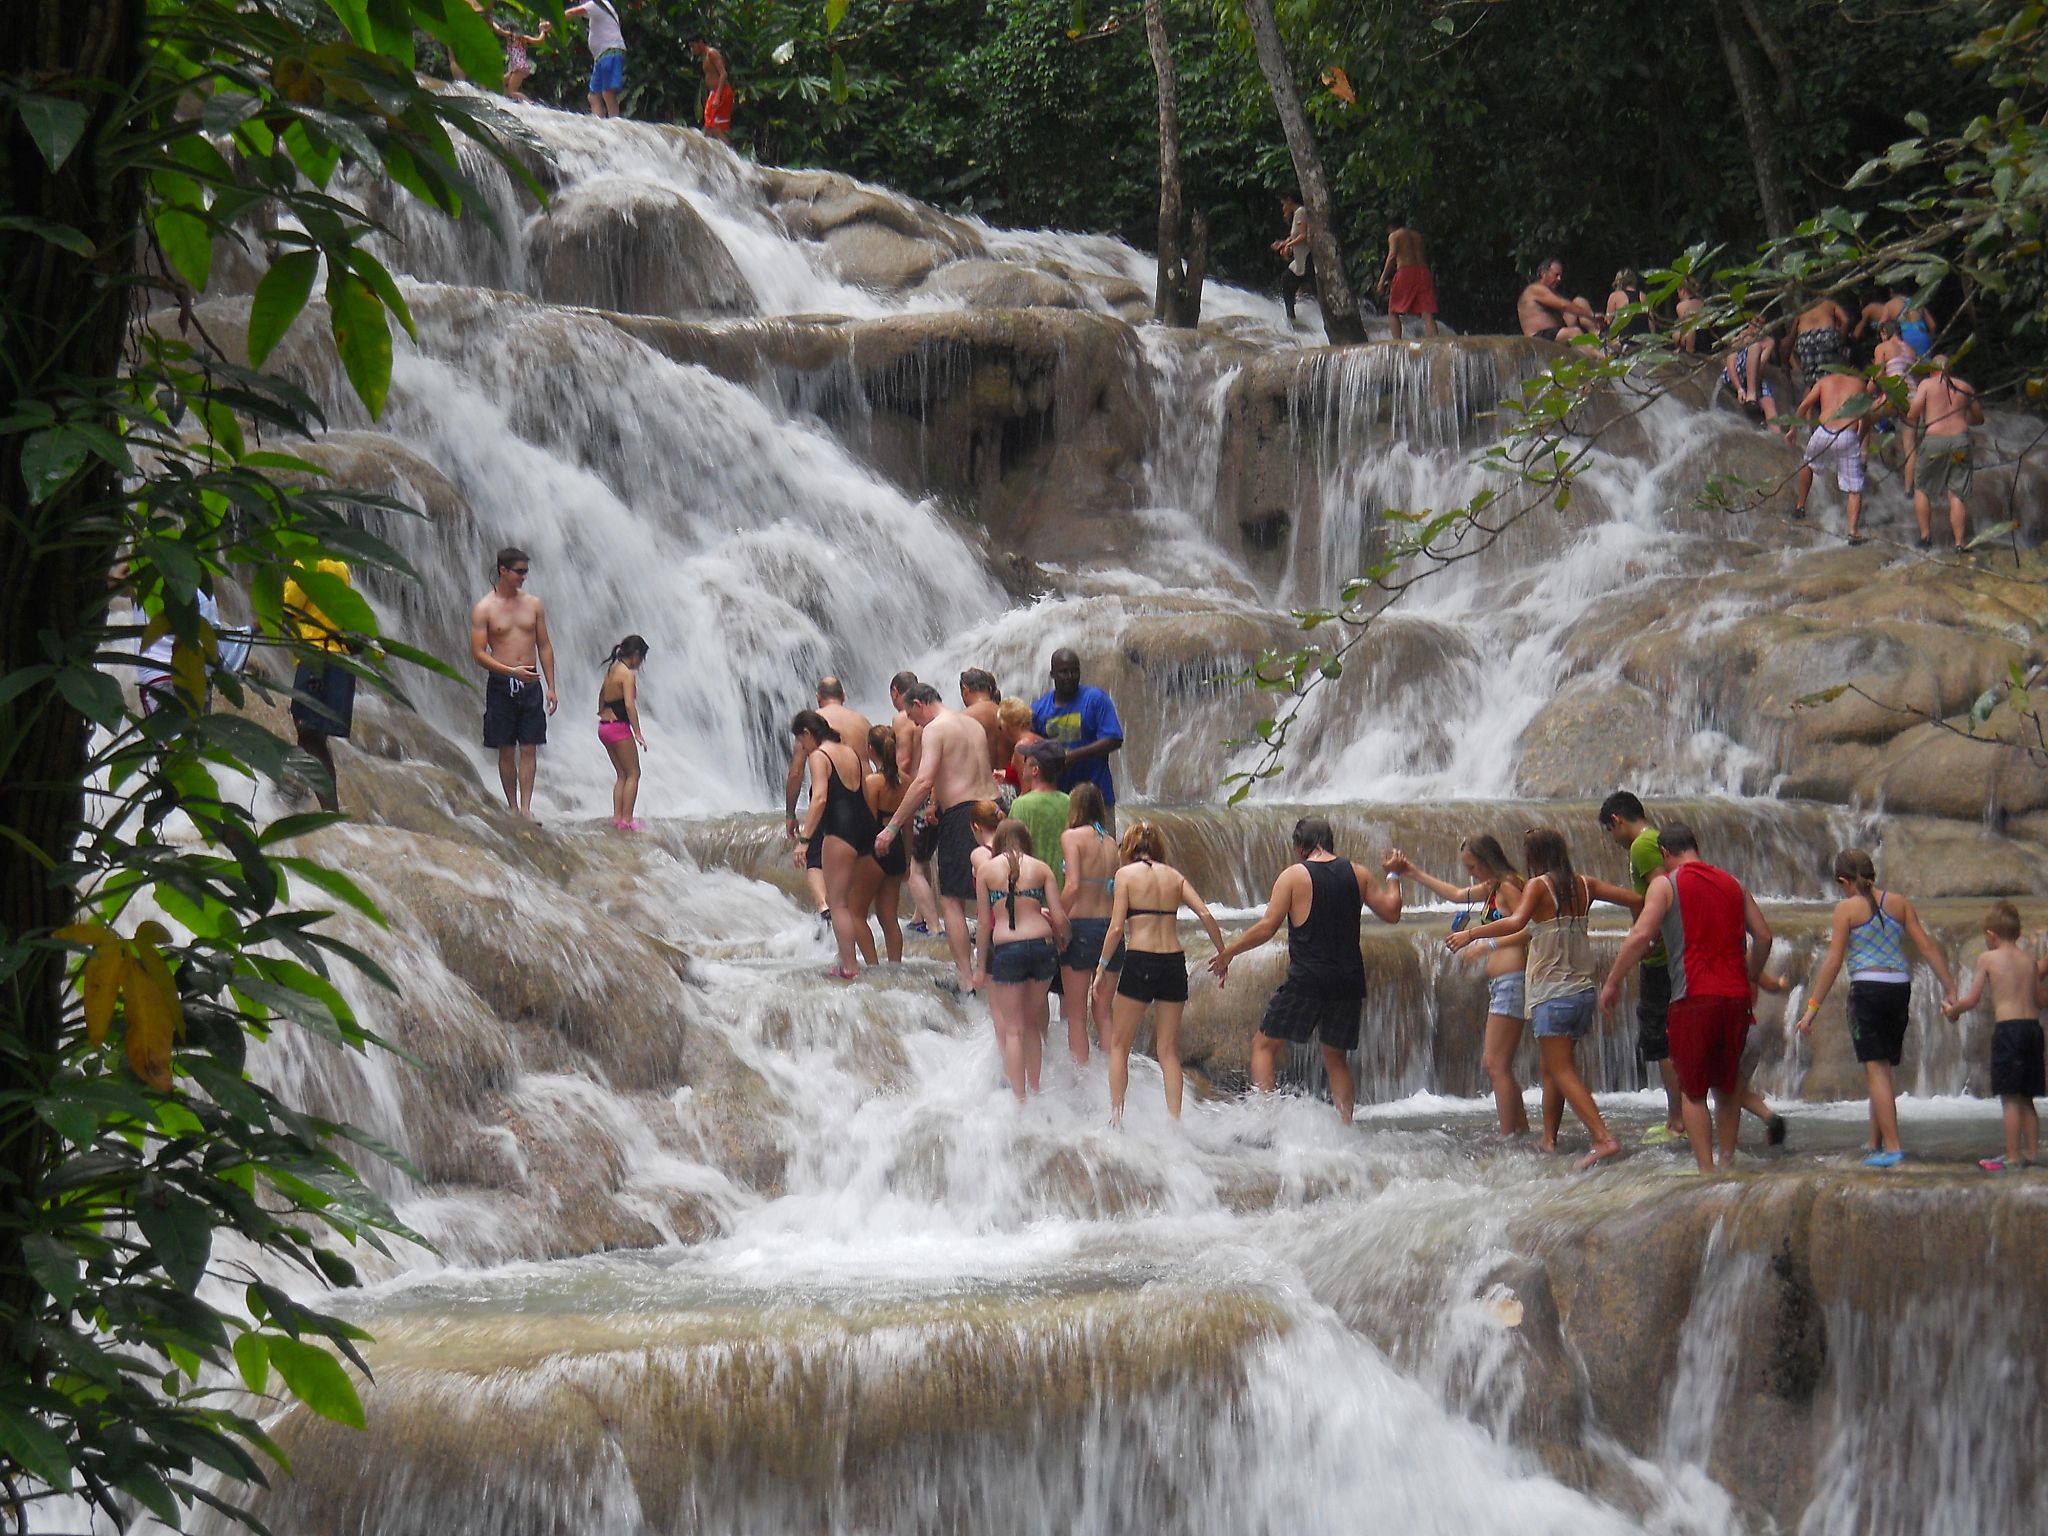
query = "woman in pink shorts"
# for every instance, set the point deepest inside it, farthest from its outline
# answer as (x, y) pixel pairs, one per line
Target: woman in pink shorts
(618, 726)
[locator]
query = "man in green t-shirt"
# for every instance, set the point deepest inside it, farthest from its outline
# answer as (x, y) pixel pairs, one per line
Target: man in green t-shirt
(1041, 807)
(1623, 819)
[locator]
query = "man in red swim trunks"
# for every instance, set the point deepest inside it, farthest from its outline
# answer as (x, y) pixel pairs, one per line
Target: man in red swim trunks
(1414, 289)
(1704, 915)
(717, 90)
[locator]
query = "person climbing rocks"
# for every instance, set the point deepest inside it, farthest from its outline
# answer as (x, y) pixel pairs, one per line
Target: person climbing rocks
(1743, 368)
(508, 638)
(1842, 407)
(853, 729)
(718, 96)
(1084, 722)
(1414, 289)
(1820, 340)
(1944, 409)
(1320, 897)
(1623, 818)
(952, 771)
(1300, 269)
(323, 690)
(607, 54)
(2012, 977)
(1700, 916)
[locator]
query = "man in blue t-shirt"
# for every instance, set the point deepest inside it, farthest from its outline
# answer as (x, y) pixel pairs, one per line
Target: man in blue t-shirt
(1084, 722)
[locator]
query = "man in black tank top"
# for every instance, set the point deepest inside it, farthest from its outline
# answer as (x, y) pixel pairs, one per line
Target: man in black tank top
(1319, 897)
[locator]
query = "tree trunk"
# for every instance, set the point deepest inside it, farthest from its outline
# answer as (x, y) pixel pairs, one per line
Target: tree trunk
(1756, 120)
(1177, 296)
(1333, 279)
(66, 316)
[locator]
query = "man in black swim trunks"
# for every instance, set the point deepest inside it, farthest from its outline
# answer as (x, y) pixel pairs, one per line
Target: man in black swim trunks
(1546, 314)
(508, 638)
(1319, 897)
(952, 770)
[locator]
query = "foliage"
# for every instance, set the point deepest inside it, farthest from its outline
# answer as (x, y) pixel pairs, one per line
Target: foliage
(153, 1195)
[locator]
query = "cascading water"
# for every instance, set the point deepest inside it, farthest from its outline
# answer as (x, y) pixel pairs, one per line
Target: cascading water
(724, 1246)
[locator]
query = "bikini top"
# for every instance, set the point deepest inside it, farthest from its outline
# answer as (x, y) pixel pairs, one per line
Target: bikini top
(1035, 892)
(618, 708)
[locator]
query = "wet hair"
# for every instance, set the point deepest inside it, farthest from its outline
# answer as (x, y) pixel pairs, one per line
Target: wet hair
(511, 555)
(1627, 278)
(1888, 328)
(2004, 920)
(903, 682)
(1546, 853)
(1313, 834)
(1677, 837)
(1291, 197)
(631, 646)
(1049, 757)
(986, 815)
(1621, 806)
(1014, 715)
(1488, 854)
(923, 693)
(1085, 807)
(1143, 841)
(1855, 866)
(831, 688)
(1013, 842)
(975, 680)
(810, 720)
(882, 748)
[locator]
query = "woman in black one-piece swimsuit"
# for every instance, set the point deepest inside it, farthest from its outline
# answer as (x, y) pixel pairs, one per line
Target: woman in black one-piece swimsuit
(840, 810)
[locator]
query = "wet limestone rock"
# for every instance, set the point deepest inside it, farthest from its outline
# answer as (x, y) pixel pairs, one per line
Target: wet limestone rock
(984, 284)
(1595, 732)
(876, 239)
(623, 244)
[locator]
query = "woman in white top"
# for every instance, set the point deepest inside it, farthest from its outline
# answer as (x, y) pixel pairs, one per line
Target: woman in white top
(1562, 984)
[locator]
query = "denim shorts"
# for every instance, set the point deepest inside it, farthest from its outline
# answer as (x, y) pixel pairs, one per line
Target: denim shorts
(1023, 960)
(1563, 1018)
(1505, 994)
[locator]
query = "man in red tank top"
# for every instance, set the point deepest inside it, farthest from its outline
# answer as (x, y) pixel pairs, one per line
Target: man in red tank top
(1704, 917)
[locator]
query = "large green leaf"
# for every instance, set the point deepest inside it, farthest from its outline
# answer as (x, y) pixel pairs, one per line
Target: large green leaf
(179, 1232)
(55, 124)
(187, 245)
(468, 36)
(317, 1379)
(362, 335)
(26, 1441)
(279, 298)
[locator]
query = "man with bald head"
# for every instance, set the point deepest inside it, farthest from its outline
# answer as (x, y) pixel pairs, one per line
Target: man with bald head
(1084, 722)
(853, 730)
(952, 771)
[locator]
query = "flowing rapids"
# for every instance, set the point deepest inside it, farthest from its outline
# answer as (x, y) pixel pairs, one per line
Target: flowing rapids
(722, 1246)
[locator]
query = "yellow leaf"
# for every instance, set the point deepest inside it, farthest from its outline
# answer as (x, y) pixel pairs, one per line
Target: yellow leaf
(149, 1026)
(1340, 84)
(188, 671)
(104, 973)
(98, 935)
(153, 933)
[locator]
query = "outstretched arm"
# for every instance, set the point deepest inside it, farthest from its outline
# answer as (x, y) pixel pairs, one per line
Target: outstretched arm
(1649, 923)
(1261, 932)
(1207, 918)
(1830, 968)
(1398, 863)
(1955, 1007)
(1381, 898)
(1501, 927)
(1929, 950)
(1612, 894)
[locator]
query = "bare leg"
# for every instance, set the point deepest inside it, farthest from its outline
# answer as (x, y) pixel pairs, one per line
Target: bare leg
(1394, 320)
(1923, 514)
(1884, 1104)
(529, 765)
(1076, 1005)
(1037, 1020)
(611, 750)
(1100, 994)
(1266, 1054)
(1166, 1047)
(1006, 1005)
(1343, 1086)
(596, 104)
(514, 80)
(1855, 514)
(847, 928)
(1805, 489)
(1699, 1130)
(1727, 1125)
(814, 882)
(1958, 519)
(1497, 1059)
(321, 750)
(1673, 1120)
(1124, 1016)
(1429, 325)
(886, 908)
(924, 906)
(955, 910)
(508, 777)
(1553, 1101)
(1753, 1101)
(2030, 1131)
(1560, 1061)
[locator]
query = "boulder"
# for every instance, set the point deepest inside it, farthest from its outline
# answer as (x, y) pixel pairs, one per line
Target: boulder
(983, 284)
(617, 243)
(1595, 732)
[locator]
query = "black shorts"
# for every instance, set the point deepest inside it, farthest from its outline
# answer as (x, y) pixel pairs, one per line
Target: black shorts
(1303, 1015)
(814, 850)
(956, 851)
(324, 702)
(2016, 1064)
(1878, 1017)
(1653, 1012)
(515, 712)
(1023, 960)
(1153, 976)
(1085, 938)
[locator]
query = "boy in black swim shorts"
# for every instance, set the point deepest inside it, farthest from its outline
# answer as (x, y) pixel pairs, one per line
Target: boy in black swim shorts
(2018, 1075)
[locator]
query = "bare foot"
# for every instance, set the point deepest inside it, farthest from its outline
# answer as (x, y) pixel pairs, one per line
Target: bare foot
(1544, 1145)
(1602, 1150)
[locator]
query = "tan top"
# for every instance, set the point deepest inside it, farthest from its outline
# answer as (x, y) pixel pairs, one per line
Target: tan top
(1560, 952)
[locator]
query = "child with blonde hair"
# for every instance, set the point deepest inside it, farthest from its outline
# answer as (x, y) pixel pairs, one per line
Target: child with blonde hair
(2012, 978)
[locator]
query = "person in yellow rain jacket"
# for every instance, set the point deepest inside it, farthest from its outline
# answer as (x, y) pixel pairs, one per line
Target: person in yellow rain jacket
(323, 691)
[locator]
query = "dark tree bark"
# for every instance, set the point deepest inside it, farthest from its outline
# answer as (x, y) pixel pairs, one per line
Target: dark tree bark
(1177, 296)
(1757, 126)
(66, 316)
(1333, 279)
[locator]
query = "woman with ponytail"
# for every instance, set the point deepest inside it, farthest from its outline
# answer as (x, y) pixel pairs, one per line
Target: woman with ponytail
(1022, 928)
(1870, 932)
(878, 883)
(618, 726)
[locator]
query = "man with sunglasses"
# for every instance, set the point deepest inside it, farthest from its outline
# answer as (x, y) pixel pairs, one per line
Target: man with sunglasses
(508, 638)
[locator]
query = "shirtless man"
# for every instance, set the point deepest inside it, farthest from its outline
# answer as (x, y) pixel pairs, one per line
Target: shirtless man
(952, 770)
(924, 906)
(853, 730)
(1844, 406)
(1944, 409)
(508, 638)
(1820, 340)
(718, 96)
(1549, 315)
(979, 700)
(1414, 291)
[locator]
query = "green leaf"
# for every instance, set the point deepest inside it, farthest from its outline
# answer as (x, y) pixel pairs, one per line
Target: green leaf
(93, 694)
(49, 460)
(840, 92)
(53, 1265)
(355, 16)
(252, 1359)
(55, 125)
(317, 1379)
(187, 245)
(335, 884)
(279, 298)
(1444, 24)
(468, 36)
(363, 338)
(25, 1440)
(835, 12)
(180, 1235)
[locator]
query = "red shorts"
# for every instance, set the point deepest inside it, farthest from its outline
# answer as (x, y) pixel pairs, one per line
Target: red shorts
(1414, 292)
(1707, 1034)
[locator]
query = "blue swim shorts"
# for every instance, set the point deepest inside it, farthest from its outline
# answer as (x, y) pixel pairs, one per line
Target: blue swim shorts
(609, 72)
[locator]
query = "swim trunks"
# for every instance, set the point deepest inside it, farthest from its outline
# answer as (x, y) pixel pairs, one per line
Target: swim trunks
(718, 111)
(1153, 976)
(1946, 466)
(1085, 938)
(1878, 1018)
(1508, 995)
(1548, 333)
(2017, 1068)
(956, 851)
(1707, 1036)
(326, 702)
(1817, 349)
(1563, 1018)
(1023, 960)
(609, 72)
(1414, 292)
(1300, 1016)
(612, 732)
(1653, 1012)
(515, 712)
(1841, 447)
